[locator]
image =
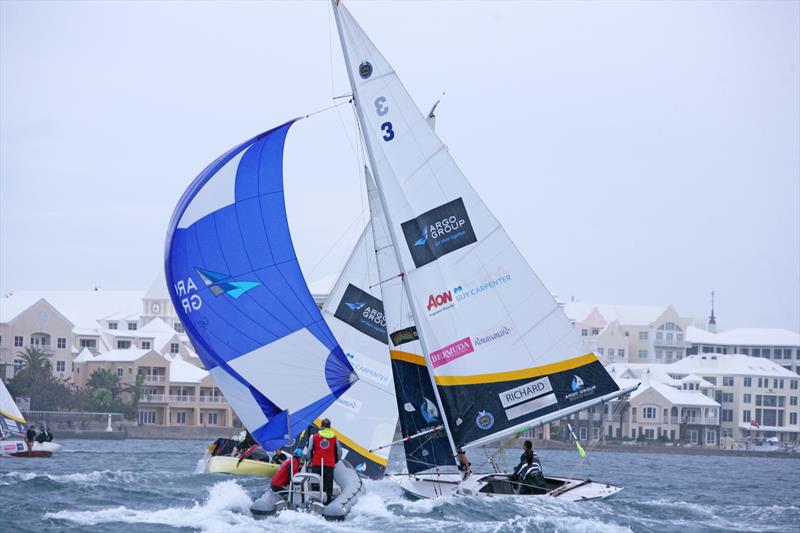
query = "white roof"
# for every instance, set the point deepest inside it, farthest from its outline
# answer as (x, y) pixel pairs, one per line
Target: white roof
(692, 378)
(85, 355)
(645, 372)
(82, 308)
(161, 332)
(677, 396)
(744, 337)
(120, 356)
(626, 315)
(729, 364)
(181, 371)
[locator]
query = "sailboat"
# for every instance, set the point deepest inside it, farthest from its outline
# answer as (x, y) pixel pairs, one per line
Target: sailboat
(501, 355)
(12, 431)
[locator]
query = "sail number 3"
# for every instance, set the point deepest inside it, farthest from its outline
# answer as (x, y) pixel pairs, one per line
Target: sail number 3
(381, 109)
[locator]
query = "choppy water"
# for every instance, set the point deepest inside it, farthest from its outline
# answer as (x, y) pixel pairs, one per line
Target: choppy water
(152, 486)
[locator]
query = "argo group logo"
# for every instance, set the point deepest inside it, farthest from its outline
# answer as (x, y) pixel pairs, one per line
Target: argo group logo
(364, 312)
(579, 389)
(438, 232)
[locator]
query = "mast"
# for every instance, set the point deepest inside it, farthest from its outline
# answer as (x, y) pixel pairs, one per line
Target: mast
(371, 155)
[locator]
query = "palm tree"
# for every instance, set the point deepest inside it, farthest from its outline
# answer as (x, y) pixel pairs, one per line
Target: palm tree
(35, 365)
(135, 390)
(103, 378)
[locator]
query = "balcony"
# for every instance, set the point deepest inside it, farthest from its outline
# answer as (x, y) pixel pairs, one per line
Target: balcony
(212, 399)
(154, 378)
(153, 398)
(181, 399)
(698, 420)
(670, 343)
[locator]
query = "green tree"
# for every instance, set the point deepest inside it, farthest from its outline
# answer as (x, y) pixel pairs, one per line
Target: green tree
(36, 366)
(102, 399)
(103, 378)
(135, 390)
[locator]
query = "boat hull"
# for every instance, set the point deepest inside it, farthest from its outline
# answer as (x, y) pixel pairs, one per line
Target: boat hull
(431, 486)
(225, 464)
(18, 448)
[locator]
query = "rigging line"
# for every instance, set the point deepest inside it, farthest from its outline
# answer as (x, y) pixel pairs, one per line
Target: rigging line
(325, 109)
(334, 245)
(387, 279)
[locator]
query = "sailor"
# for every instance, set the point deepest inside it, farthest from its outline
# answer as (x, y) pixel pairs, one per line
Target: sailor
(529, 470)
(30, 436)
(463, 463)
(324, 451)
(283, 476)
(244, 444)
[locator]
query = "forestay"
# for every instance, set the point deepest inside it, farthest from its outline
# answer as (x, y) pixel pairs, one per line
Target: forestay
(416, 401)
(364, 417)
(502, 351)
(238, 290)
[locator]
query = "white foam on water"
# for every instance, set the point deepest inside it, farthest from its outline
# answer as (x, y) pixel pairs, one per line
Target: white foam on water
(10, 478)
(227, 505)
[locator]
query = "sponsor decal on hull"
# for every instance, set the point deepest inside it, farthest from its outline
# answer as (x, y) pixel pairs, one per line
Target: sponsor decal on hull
(438, 232)
(451, 352)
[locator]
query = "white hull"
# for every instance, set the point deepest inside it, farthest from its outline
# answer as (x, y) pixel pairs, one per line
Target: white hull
(431, 486)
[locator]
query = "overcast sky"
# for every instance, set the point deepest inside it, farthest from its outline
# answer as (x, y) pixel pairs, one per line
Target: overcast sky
(638, 153)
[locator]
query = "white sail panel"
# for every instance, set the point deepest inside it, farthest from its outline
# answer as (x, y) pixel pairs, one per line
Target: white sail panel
(486, 318)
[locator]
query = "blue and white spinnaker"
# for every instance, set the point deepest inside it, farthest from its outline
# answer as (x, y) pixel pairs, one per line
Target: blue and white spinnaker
(237, 287)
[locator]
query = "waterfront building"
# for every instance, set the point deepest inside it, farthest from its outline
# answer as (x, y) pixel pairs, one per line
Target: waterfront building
(630, 333)
(778, 345)
(758, 397)
(126, 332)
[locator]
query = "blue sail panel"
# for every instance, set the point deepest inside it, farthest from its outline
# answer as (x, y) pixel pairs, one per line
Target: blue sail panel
(238, 289)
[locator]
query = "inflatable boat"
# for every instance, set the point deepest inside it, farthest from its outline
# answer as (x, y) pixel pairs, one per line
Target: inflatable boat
(305, 494)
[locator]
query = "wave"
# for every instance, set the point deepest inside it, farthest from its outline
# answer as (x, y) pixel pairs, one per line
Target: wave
(81, 478)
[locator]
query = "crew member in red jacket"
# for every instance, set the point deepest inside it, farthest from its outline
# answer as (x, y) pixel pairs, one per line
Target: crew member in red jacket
(282, 478)
(324, 451)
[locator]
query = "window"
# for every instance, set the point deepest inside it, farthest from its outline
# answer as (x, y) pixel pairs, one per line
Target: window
(649, 413)
(669, 338)
(147, 417)
(680, 337)
(120, 372)
(792, 400)
(583, 431)
(793, 419)
(659, 354)
(132, 326)
(727, 415)
(180, 416)
(727, 381)
(659, 336)
(764, 352)
(595, 332)
(123, 345)
(760, 383)
(611, 352)
(770, 400)
(18, 341)
(643, 335)
(584, 332)
(212, 419)
(112, 325)
(145, 345)
(780, 383)
(727, 397)
(692, 434)
(643, 354)
(756, 352)
(793, 384)
(711, 379)
(61, 343)
(88, 343)
(61, 366)
(179, 327)
(711, 437)
(669, 355)
(744, 351)
(746, 416)
(595, 433)
(759, 399)
(175, 348)
(748, 382)
(746, 399)
(621, 352)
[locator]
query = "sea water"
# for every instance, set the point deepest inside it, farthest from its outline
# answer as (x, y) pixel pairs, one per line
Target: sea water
(147, 485)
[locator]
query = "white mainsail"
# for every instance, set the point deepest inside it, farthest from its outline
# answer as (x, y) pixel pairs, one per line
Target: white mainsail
(11, 419)
(501, 350)
(365, 416)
